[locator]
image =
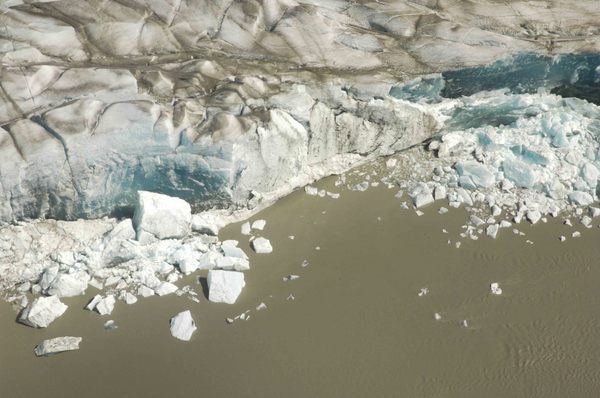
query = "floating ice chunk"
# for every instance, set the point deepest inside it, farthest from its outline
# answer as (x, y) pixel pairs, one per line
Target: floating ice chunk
(496, 210)
(224, 286)
(129, 298)
(474, 175)
(262, 245)
(145, 291)
(576, 234)
(236, 263)
(586, 221)
(160, 216)
(57, 345)
(165, 288)
(440, 192)
(476, 221)
(443, 210)
(246, 229)
(495, 288)
(94, 302)
(562, 238)
(291, 278)
(419, 213)
(519, 173)
(437, 316)
(363, 186)
(492, 230)
(422, 199)
(183, 326)
(333, 195)
(42, 312)
(312, 191)
(230, 249)
(106, 305)
(291, 297)
(259, 224)
(69, 285)
(534, 216)
(423, 292)
(581, 198)
(261, 306)
(594, 212)
(110, 325)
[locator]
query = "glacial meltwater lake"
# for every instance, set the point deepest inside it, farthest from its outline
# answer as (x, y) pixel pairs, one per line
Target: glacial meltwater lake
(357, 326)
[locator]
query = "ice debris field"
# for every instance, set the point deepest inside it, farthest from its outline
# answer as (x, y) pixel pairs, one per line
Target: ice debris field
(517, 140)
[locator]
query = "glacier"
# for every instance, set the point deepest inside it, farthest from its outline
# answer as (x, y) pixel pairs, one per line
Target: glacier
(224, 106)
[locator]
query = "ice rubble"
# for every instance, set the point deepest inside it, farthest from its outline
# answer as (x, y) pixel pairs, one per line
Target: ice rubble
(57, 345)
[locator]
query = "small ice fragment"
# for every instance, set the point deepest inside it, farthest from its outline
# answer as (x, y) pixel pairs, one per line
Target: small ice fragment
(419, 213)
(312, 191)
(318, 248)
(259, 224)
(442, 210)
(333, 195)
(437, 316)
(533, 216)
(576, 234)
(492, 231)
(594, 212)
(568, 222)
(423, 291)
(110, 325)
(291, 237)
(444, 230)
(291, 278)
(391, 163)
(457, 245)
(562, 238)
(261, 306)
(495, 288)
(304, 264)
(245, 229)
(291, 298)
(464, 323)
(229, 320)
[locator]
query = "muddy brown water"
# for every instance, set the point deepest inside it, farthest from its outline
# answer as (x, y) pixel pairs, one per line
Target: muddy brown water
(357, 327)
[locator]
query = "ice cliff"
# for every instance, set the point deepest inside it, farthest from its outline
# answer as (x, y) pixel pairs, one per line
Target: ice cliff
(227, 103)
